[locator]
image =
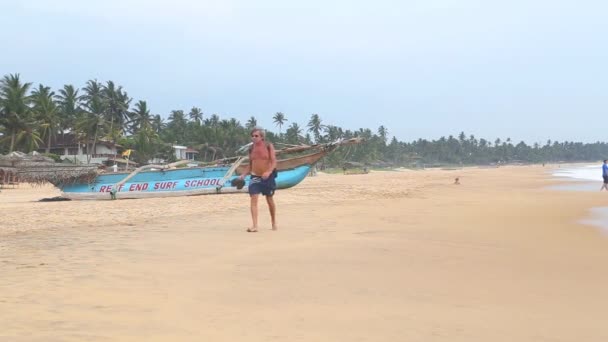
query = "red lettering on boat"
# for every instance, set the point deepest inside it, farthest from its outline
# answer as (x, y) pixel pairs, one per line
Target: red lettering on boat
(164, 186)
(138, 187)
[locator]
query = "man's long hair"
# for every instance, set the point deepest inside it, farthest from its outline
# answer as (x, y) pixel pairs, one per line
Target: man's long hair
(259, 130)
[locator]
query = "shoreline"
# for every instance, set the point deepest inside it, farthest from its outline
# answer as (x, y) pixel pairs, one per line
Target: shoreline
(597, 216)
(389, 256)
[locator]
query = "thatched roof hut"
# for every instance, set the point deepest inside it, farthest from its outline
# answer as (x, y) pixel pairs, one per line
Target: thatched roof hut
(35, 168)
(8, 175)
(7, 169)
(19, 158)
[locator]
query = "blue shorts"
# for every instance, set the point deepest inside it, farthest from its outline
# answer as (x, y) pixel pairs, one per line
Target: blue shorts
(266, 187)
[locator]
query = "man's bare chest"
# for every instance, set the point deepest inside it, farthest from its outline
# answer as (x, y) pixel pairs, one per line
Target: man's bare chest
(260, 153)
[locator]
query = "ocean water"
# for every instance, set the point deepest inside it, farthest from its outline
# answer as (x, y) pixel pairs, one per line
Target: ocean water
(581, 178)
(585, 178)
(598, 217)
(583, 172)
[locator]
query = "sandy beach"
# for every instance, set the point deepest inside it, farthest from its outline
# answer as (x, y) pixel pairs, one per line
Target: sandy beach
(385, 256)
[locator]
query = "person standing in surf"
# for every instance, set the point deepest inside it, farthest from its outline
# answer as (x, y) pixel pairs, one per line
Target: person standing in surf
(605, 175)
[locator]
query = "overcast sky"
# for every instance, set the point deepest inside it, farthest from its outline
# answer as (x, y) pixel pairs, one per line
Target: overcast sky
(529, 70)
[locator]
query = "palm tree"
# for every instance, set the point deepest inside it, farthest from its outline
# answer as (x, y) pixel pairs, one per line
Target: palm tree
(251, 123)
(68, 101)
(315, 126)
(213, 121)
(117, 108)
(177, 117)
(462, 137)
(157, 123)
(46, 112)
(140, 117)
(92, 122)
(146, 142)
(177, 124)
(92, 89)
(383, 133)
(279, 120)
(196, 115)
(293, 133)
(236, 136)
(91, 126)
(333, 133)
(14, 108)
(234, 123)
(29, 138)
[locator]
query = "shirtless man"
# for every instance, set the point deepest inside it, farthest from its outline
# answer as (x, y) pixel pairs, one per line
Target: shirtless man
(262, 165)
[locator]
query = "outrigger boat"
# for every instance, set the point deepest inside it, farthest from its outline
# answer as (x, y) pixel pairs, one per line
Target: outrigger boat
(151, 181)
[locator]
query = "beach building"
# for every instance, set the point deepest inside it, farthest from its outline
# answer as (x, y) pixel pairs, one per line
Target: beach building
(180, 152)
(70, 146)
(184, 152)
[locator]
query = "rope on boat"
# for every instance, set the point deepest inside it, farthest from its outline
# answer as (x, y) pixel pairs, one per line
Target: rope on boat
(116, 186)
(228, 174)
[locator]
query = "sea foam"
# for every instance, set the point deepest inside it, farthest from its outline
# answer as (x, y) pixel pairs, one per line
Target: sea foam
(584, 172)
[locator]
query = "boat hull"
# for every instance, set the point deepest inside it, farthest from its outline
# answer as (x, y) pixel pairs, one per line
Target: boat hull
(181, 182)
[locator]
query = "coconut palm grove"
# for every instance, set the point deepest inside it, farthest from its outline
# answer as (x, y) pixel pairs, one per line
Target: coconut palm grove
(32, 116)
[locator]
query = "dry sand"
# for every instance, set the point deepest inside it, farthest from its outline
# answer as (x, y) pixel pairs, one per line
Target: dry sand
(386, 256)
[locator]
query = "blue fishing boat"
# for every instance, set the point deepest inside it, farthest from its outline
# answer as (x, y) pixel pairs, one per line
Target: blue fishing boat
(170, 180)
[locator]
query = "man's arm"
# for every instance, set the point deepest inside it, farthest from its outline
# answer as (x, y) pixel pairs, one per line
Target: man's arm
(273, 157)
(273, 161)
(247, 168)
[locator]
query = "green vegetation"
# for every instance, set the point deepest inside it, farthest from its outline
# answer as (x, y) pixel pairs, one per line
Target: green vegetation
(31, 116)
(55, 157)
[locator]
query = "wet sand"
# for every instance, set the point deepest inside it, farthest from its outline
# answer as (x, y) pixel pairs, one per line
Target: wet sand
(385, 256)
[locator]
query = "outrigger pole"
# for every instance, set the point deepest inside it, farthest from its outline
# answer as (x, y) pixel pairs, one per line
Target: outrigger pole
(116, 186)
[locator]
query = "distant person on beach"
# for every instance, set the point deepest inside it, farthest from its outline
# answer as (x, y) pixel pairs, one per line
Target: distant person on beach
(605, 175)
(262, 167)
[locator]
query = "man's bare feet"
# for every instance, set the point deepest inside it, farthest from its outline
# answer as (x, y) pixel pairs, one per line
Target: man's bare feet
(252, 230)
(274, 227)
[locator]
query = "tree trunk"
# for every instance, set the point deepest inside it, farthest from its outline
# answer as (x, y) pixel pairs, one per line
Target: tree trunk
(48, 144)
(88, 150)
(112, 133)
(13, 137)
(95, 143)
